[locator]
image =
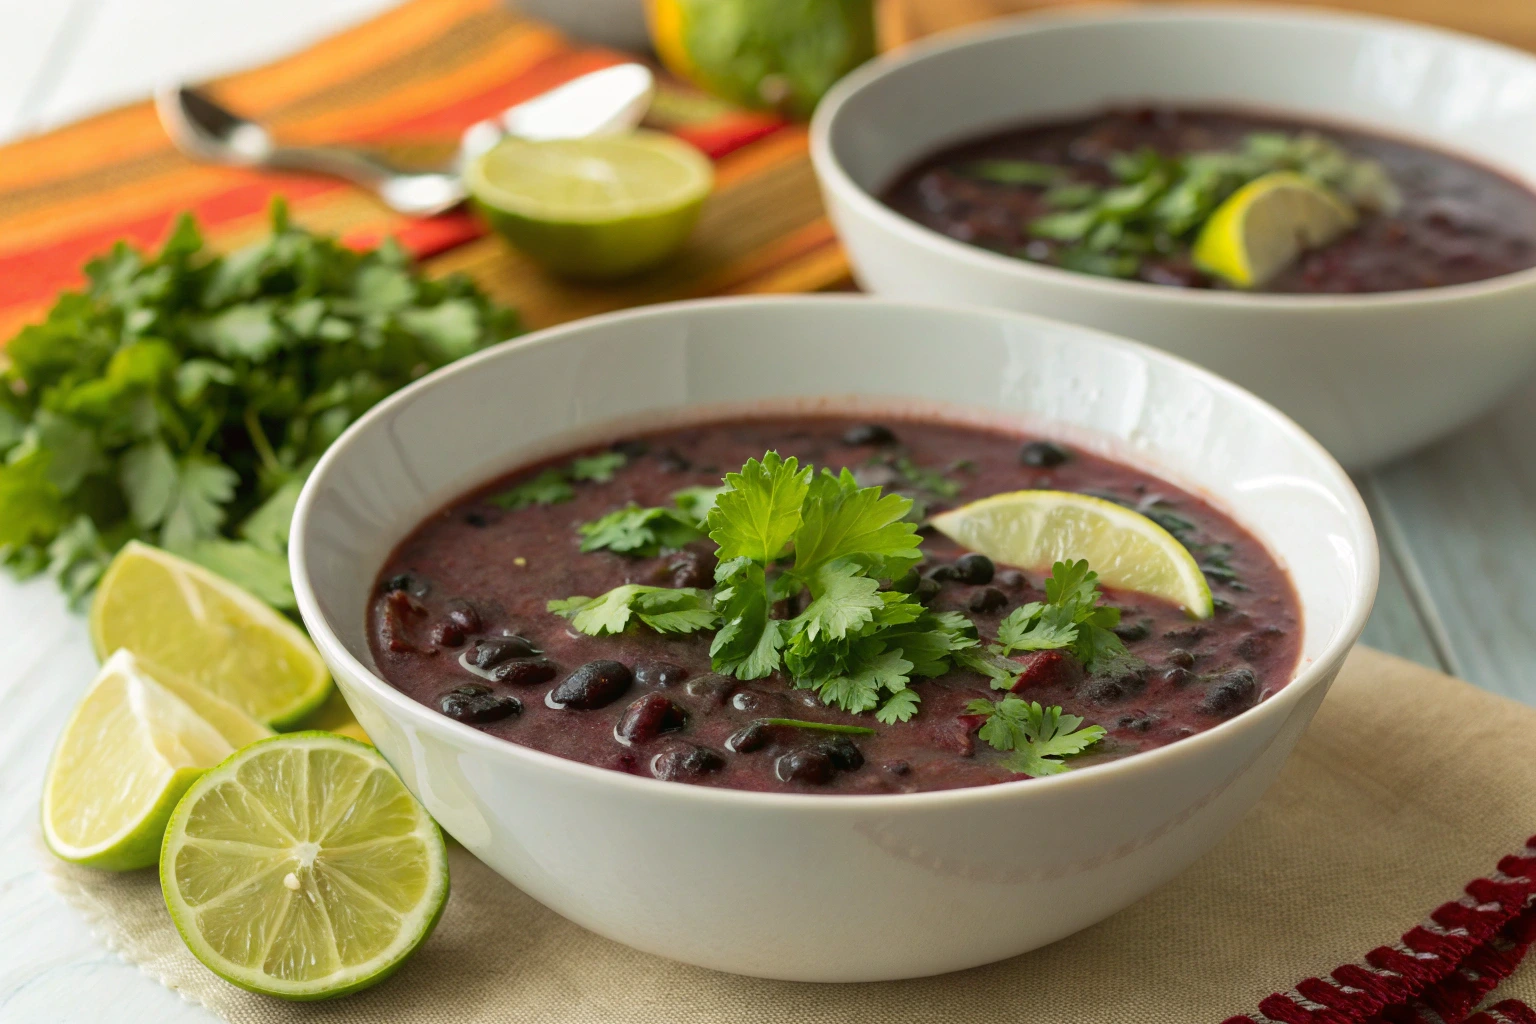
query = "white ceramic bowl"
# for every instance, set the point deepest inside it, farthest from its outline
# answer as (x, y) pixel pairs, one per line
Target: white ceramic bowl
(828, 888)
(1370, 376)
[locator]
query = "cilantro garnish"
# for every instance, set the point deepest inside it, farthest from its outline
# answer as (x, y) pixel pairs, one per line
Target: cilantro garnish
(1156, 204)
(641, 532)
(553, 485)
(664, 609)
(182, 398)
(1040, 739)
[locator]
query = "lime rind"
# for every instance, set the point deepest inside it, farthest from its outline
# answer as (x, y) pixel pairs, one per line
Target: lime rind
(1034, 529)
(250, 824)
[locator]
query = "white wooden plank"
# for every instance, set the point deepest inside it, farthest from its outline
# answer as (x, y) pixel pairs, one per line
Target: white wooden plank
(1398, 624)
(131, 46)
(1464, 514)
(31, 37)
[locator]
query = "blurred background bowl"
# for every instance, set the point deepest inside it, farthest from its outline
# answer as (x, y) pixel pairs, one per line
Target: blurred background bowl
(1371, 376)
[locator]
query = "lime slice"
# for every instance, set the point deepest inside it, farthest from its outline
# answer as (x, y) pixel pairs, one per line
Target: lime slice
(1034, 529)
(301, 867)
(1266, 224)
(597, 207)
(128, 752)
(231, 721)
(182, 621)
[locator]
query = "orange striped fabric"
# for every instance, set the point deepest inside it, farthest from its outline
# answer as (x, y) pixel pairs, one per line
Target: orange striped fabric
(409, 82)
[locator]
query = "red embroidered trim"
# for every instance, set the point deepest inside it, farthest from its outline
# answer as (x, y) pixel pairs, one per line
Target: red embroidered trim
(1438, 972)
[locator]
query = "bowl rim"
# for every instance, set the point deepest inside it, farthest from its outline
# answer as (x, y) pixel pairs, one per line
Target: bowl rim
(836, 179)
(1307, 677)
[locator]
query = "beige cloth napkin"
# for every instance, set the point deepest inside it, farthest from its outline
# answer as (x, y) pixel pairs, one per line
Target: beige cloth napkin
(1408, 785)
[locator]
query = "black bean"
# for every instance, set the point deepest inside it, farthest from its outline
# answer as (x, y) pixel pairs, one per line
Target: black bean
(715, 687)
(647, 718)
(1043, 455)
(941, 574)
(1234, 691)
(811, 765)
(1136, 723)
(477, 520)
(672, 461)
(869, 434)
(986, 600)
(1176, 675)
(447, 634)
(659, 673)
(926, 591)
(692, 569)
(477, 704)
(1012, 579)
(1187, 635)
(1134, 631)
(525, 671)
(750, 737)
(1182, 658)
(897, 767)
(1256, 646)
(974, 570)
(686, 763)
(408, 583)
(845, 756)
(463, 614)
(592, 686)
(747, 700)
(630, 449)
(493, 651)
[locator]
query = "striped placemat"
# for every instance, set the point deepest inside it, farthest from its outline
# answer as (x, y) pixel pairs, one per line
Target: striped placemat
(409, 81)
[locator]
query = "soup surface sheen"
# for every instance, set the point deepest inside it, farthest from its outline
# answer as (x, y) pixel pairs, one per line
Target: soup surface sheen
(1458, 222)
(477, 571)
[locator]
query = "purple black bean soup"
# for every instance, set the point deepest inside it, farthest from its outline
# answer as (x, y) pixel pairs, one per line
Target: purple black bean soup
(1130, 192)
(763, 604)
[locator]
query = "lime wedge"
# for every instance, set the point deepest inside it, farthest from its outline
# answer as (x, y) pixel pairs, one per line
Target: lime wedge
(230, 720)
(128, 752)
(1266, 224)
(301, 867)
(182, 621)
(597, 207)
(1034, 529)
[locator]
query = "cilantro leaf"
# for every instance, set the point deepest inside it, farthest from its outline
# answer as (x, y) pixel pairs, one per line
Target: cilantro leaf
(898, 707)
(695, 503)
(203, 487)
(683, 610)
(749, 642)
(548, 488)
(642, 532)
(760, 511)
(843, 520)
(1070, 617)
(1037, 627)
(1041, 739)
(598, 468)
(842, 599)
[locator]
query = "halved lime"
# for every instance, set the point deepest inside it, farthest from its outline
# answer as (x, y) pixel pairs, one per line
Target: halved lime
(1263, 226)
(129, 751)
(183, 621)
(1034, 529)
(596, 207)
(301, 867)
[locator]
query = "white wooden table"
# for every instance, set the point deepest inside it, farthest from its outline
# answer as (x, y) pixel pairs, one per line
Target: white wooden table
(1457, 521)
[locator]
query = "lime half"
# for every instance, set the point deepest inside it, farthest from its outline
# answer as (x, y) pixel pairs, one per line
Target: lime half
(129, 751)
(1034, 529)
(301, 867)
(1263, 226)
(597, 207)
(183, 621)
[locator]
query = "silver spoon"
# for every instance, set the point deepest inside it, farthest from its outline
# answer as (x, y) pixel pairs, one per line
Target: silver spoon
(603, 102)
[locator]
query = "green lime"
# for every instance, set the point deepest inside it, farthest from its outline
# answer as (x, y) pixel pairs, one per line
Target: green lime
(1263, 226)
(594, 208)
(184, 622)
(1034, 529)
(129, 751)
(301, 867)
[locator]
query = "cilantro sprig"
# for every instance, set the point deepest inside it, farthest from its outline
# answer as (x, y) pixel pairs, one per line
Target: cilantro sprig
(553, 485)
(648, 532)
(1040, 739)
(182, 398)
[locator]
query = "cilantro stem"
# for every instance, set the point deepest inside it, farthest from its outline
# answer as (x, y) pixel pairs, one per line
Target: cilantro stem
(795, 723)
(259, 441)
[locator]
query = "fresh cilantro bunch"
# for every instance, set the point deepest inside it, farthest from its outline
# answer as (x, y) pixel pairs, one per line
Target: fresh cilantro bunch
(788, 537)
(1070, 618)
(1040, 738)
(1156, 204)
(181, 398)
